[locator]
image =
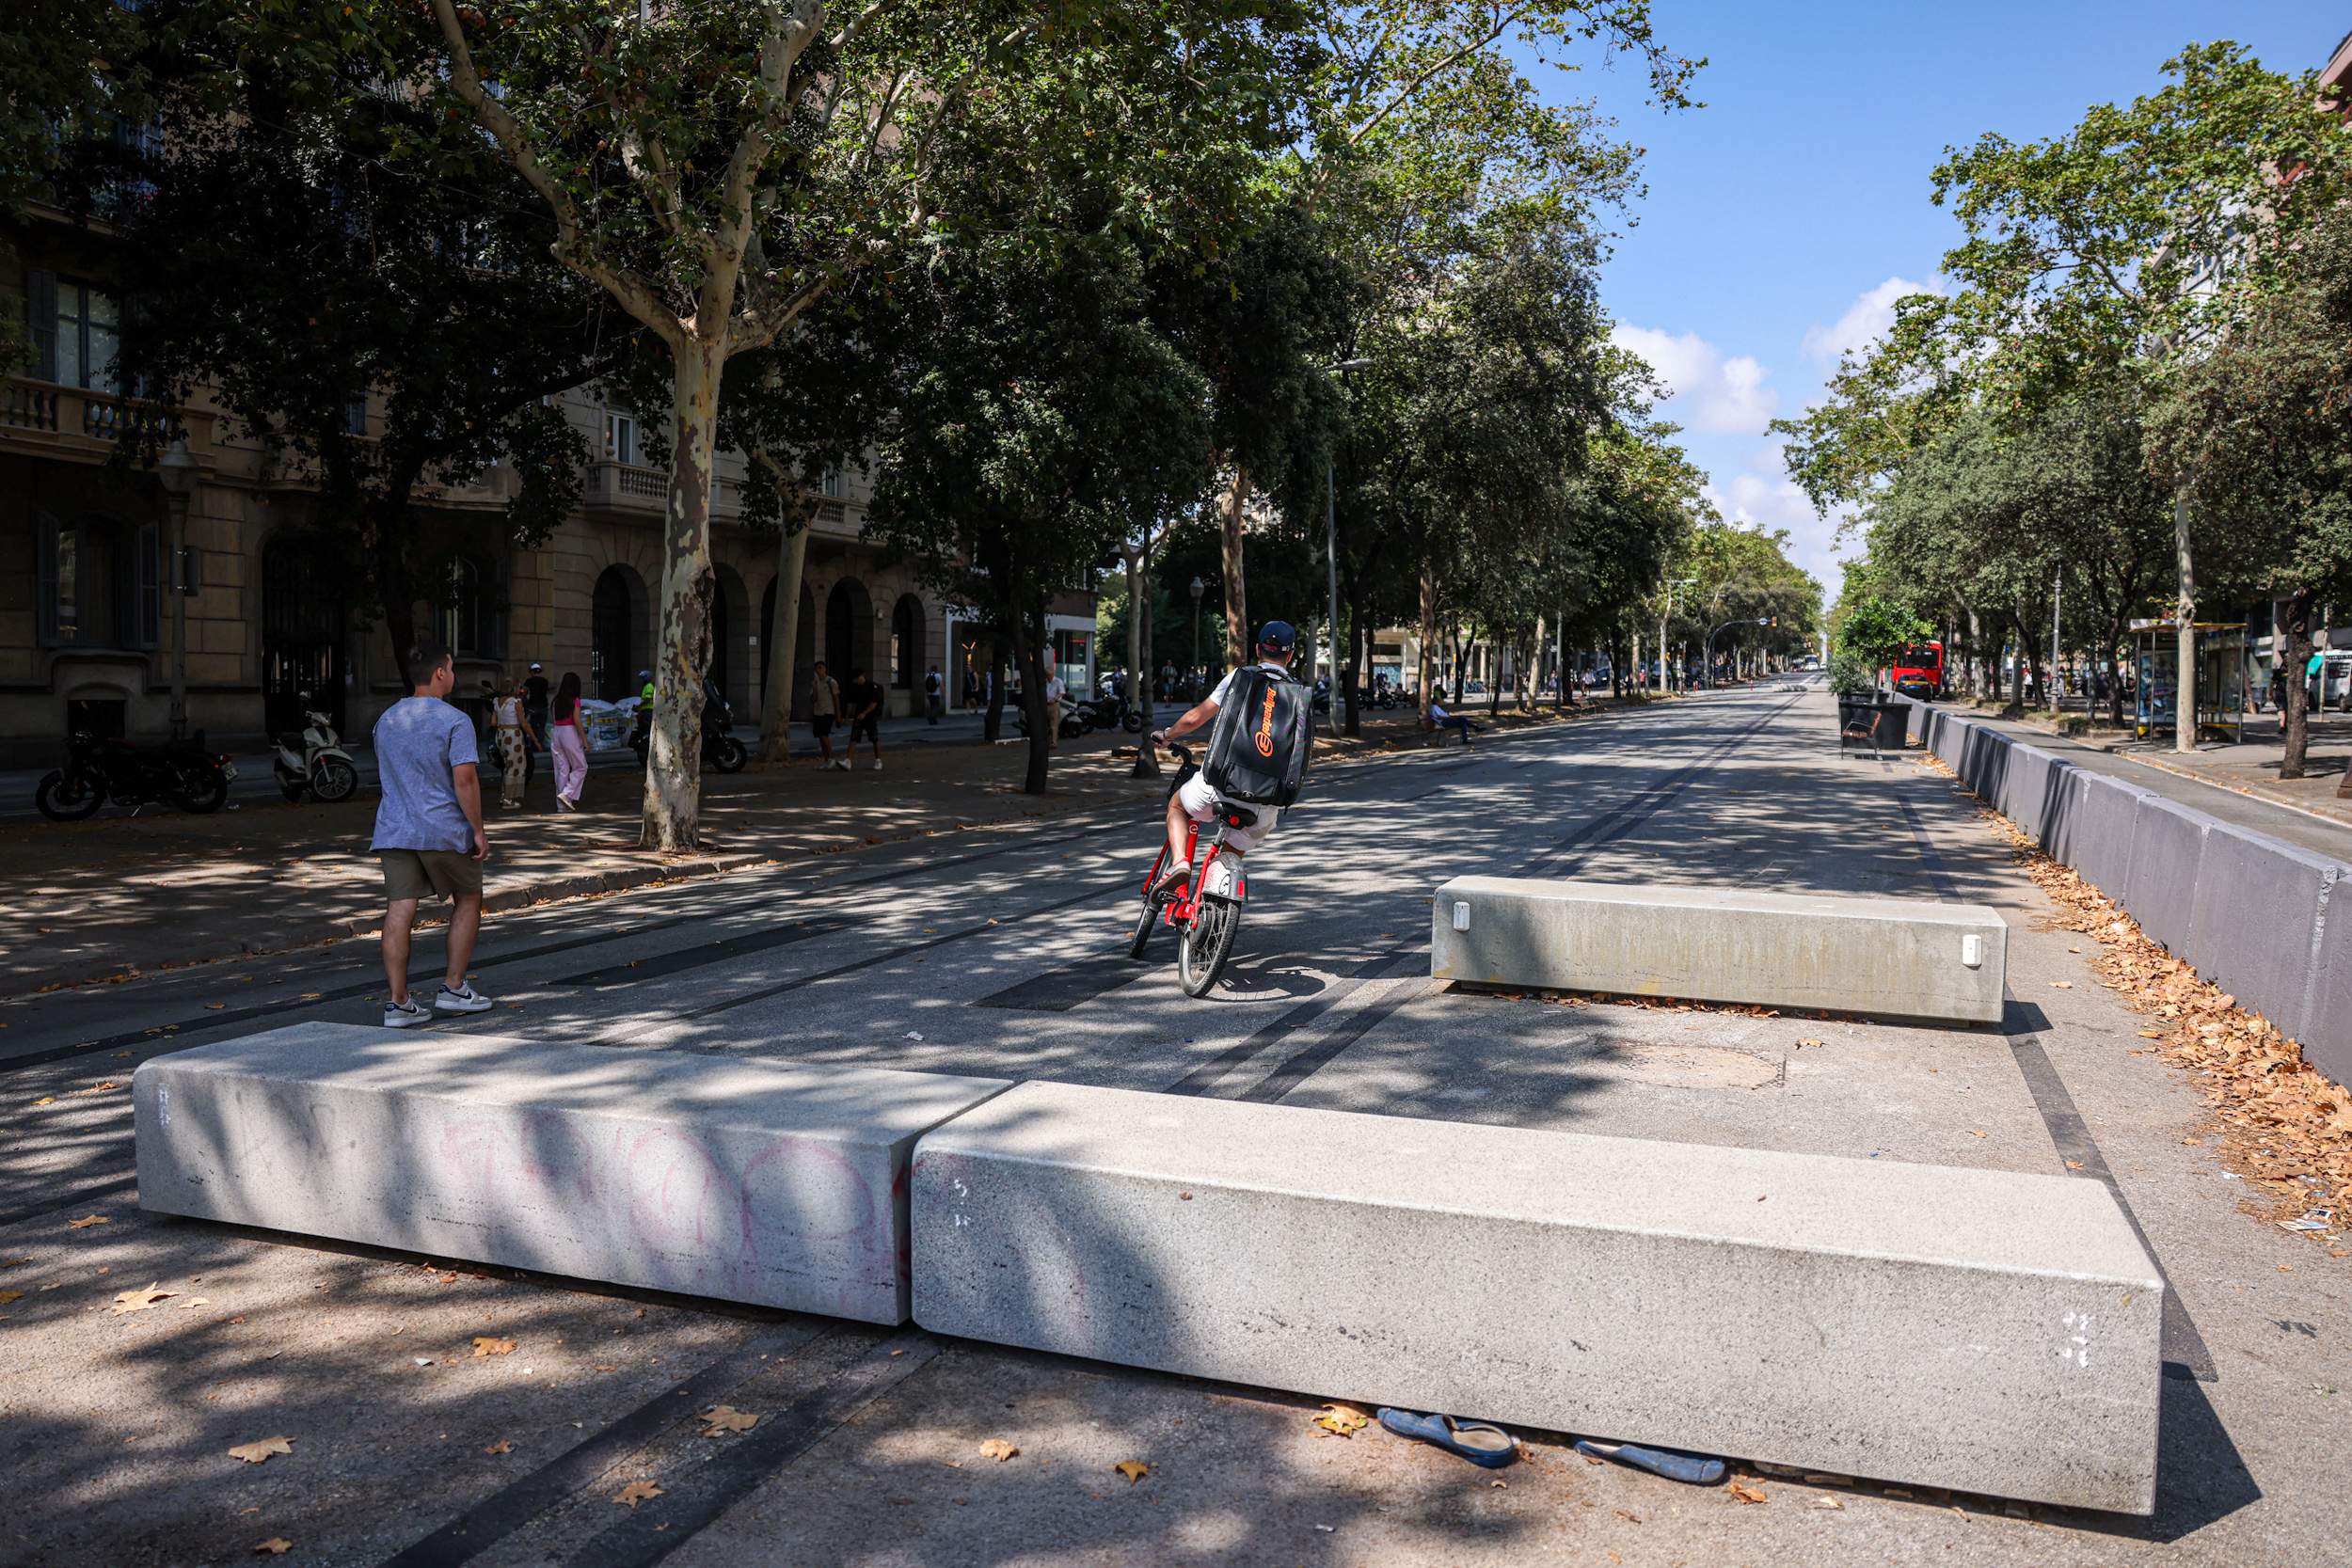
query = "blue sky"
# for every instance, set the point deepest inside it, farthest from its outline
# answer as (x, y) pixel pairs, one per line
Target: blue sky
(1783, 218)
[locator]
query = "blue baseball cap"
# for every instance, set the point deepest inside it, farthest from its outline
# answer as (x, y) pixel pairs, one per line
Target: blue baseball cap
(1279, 636)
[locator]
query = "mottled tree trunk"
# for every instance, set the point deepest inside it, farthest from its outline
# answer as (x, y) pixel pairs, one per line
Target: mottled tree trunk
(1236, 505)
(2185, 562)
(784, 640)
(2297, 717)
(1139, 657)
(673, 762)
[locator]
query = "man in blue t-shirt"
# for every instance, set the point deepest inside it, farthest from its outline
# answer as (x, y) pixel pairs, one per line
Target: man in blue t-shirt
(428, 831)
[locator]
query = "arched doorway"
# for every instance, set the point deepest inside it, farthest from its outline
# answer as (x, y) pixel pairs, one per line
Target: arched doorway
(906, 642)
(304, 620)
(719, 668)
(618, 642)
(849, 631)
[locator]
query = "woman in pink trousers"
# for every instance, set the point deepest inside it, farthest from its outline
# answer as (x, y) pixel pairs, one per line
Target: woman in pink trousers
(571, 758)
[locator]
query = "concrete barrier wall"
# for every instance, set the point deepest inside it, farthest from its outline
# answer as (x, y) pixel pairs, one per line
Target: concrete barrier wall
(2233, 902)
(1983, 1330)
(2167, 854)
(2263, 909)
(755, 1181)
(1885, 957)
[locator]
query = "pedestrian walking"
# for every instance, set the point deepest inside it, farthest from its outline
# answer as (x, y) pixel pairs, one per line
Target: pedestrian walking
(510, 732)
(971, 688)
(1054, 690)
(428, 831)
(535, 704)
(825, 706)
(571, 755)
(934, 696)
(865, 703)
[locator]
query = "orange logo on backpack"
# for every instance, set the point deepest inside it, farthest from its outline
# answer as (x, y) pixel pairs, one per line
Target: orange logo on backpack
(1264, 737)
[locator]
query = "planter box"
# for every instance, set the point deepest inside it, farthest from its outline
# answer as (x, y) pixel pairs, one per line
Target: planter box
(1883, 723)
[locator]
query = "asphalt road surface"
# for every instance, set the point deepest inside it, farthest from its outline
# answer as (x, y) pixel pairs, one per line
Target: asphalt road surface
(1003, 953)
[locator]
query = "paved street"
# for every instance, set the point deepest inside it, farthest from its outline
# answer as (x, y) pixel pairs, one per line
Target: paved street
(1002, 952)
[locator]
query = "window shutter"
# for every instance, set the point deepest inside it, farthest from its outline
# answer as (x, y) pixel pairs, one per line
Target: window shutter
(41, 318)
(151, 597)
(45, 539)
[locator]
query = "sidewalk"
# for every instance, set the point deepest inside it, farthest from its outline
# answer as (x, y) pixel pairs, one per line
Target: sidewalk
(2237, 783)
(118, 896)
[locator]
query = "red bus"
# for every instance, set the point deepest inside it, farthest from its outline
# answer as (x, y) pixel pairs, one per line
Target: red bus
(1919, 670)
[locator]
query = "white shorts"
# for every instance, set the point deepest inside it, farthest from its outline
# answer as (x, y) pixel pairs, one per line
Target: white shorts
(1203, 805)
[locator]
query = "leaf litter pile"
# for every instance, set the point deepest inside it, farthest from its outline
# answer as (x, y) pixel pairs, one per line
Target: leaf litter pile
(2288, 1126)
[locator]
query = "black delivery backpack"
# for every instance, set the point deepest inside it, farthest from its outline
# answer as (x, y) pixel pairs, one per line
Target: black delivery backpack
(1265, 728)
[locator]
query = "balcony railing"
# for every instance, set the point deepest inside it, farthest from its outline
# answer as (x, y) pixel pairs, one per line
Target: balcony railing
(85, 418)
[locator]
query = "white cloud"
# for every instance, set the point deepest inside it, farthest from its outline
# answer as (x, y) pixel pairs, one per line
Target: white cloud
(1865, 321)
(1764, 496)
(1707, 391)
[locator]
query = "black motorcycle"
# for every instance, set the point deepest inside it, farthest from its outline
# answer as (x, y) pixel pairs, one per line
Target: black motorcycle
(179, 773)
(721, 750)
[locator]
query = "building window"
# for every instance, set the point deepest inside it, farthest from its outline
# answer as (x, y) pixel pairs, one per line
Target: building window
(829, 485)
(620, 439)
(356, 416)
(88, 332)
(469, 619)
(100, 583)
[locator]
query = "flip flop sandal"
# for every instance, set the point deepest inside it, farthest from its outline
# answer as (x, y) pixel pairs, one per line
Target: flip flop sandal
(1479, 1442)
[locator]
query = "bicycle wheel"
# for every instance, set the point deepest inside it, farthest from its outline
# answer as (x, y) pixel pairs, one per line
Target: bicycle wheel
(1144, 922)
(1208, 941)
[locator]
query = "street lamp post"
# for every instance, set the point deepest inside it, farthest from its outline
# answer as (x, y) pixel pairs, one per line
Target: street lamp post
(177, 471)
(1331, 548)
(1197, 588)
(1743, 621)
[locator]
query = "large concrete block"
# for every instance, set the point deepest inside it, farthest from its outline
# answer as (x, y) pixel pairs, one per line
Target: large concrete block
(1982, 1330)
(2067, 789)
(1984, 762)
(756, 1181)
(2327, 1038)
(2168, 852)
(1888, 957)
(2029, 791)
(2099, 833)
(2261, 912)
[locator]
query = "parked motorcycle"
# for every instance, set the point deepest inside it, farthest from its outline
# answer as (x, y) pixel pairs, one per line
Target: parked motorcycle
(179, 773)
(314, 761)
(1076, 718)
(721, 750)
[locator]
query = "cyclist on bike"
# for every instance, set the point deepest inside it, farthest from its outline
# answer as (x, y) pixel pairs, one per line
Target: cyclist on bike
(1195, 801)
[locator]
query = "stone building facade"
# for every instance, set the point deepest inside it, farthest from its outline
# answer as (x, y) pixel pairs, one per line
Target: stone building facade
(93, 631)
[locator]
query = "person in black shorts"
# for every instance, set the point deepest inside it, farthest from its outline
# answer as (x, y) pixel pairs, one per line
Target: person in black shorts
(865, 703)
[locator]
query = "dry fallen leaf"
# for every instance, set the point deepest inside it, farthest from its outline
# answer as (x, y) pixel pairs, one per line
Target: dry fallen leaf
(1341, 1420)
(998, 1449)
(637, 1492)
(46, 1100)
(2073, 1165)
(277, 1545)
(8, 1296)
(1826, 1500)
(139, 1301)
(484, 1345)
(2062, 985)
(1976, 1132)
(1134, 1470)
(1801, 1044)
(101, 1088)
(502, 1445)
(85, 1222)
(1746, 1493)
(720, 1420)
(254, 1453)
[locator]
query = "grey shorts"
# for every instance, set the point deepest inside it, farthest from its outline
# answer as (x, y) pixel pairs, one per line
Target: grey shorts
(429, 874)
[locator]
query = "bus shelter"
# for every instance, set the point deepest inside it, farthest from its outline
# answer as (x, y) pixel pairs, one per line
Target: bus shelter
(2221, 678)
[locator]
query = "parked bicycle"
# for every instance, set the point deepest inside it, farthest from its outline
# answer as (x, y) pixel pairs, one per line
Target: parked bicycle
(1206, 909)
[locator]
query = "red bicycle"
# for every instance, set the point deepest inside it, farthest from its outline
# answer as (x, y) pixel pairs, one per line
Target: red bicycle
(1206, 909)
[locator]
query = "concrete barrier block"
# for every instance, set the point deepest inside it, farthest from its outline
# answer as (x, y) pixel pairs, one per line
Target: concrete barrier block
(2067, 787)
(2027, 787)
(2099, 836)
(2167, 849)
(1985, 763)
(1886, 957)
(1983, 1330)
(2327, 1038)
(756, 1181)
(2259, 920)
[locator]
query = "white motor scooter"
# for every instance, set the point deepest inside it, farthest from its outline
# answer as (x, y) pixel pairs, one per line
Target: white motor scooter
(315, 761)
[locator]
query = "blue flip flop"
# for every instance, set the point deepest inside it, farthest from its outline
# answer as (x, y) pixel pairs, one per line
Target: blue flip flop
(1479, 1442)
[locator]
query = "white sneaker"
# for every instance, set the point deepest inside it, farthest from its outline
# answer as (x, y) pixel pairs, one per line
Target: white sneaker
(465, 999)
(843, 764)
(400, 1015)
(877, 765)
